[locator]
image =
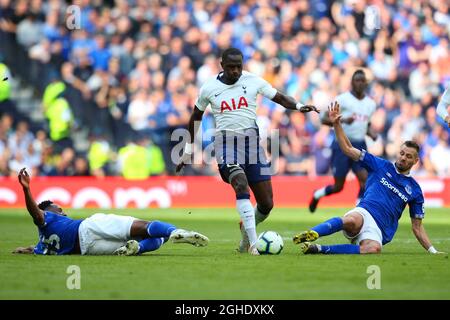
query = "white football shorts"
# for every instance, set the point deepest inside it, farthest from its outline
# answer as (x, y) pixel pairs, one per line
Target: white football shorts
(101, 234)
(369, 230)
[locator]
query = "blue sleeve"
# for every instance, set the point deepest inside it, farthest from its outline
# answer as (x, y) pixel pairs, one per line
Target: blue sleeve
(416, 207)
(370, 162)
(39, 248)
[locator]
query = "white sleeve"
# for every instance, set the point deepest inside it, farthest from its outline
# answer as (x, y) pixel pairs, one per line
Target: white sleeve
(443, 104)
(341, 99)
(202, 101)
(266, 88)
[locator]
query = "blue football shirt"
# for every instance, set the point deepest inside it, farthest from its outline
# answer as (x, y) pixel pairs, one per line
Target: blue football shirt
(57, 235)
(387, 194)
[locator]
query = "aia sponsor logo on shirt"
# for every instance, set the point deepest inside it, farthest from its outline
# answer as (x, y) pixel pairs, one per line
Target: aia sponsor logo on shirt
(360, 117)
(232, 105)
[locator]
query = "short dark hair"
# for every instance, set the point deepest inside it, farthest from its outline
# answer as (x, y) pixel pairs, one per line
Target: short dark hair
(359, 71)
(231, 52)
(45, 204)
(412, 144)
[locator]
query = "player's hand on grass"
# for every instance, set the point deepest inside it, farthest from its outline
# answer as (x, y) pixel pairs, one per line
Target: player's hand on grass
(24, 250)
(433, 250)
(308, 108)
(334, 112)
(24, 178)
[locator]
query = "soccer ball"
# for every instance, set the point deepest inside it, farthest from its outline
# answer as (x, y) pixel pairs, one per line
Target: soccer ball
(269, 242)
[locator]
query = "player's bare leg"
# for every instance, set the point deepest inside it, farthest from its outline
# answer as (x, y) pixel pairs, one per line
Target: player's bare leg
(139, 229)
(244, 206)
(264, 199)
(264, 203)
(325, 191)
(352, 223)
(369, 246)
(362, 178)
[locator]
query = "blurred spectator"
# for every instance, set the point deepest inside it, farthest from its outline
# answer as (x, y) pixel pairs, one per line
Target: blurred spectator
(59, 115)
(81, 167)
(134, 159)
(64, 163)
(99, 155)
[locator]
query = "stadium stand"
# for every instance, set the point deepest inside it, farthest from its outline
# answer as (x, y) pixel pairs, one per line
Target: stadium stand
(132, 69)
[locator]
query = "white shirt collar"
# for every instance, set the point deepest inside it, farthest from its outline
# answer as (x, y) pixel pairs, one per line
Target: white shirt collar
(406, 175)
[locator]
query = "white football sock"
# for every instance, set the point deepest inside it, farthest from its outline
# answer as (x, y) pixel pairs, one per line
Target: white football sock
(246, 211)
(319, 193)
(259, 217)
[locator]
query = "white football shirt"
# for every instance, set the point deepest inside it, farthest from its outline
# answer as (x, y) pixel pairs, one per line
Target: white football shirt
(361, 110)
(234, 106)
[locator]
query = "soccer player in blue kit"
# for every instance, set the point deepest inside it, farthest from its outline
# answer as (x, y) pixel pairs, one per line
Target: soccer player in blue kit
(357, 109)
(374, 221)
(100, 234)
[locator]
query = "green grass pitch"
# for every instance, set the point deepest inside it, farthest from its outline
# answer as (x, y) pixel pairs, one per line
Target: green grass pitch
(180, 271)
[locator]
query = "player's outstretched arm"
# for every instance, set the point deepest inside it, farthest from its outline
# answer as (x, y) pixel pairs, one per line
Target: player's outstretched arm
(36, 213)
(196, 116)
(422, 237)
(24, 250)
(344, 143)
(290, 103)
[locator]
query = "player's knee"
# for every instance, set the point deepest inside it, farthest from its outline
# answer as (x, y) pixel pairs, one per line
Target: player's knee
(240, 186)
(351, 224)
(371, 248)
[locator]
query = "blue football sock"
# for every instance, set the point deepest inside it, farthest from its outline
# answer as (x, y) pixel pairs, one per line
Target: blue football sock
(328, 227)
(150, 244)
(158, 229)
(340, 249)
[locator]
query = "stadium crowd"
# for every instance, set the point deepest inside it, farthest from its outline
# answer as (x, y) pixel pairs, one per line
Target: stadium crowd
(130, 72)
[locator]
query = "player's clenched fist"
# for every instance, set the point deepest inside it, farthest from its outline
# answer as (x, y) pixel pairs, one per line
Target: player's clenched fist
(24, 178)
(308, 108)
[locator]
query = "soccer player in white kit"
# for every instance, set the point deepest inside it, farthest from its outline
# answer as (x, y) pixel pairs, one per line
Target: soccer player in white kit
(356, 108)
(442, 107)
(242, 163)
